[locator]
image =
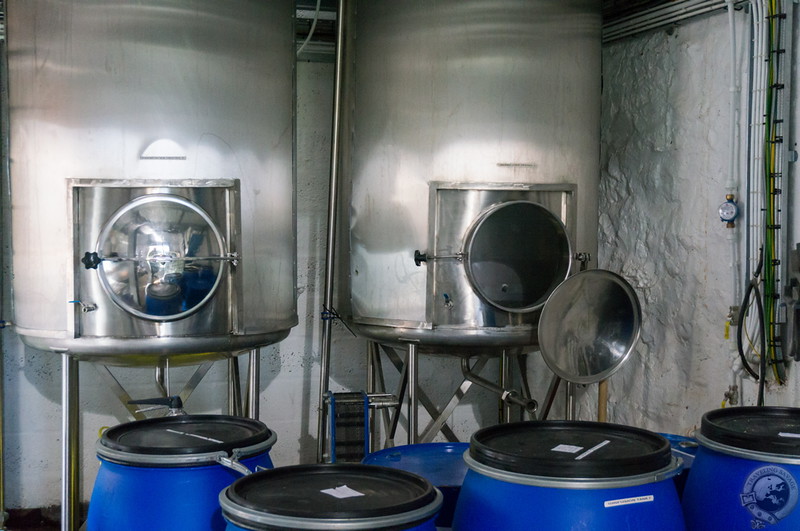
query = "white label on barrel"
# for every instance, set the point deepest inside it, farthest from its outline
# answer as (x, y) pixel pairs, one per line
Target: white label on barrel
(342, 491)
(567, 449)
(196, 436)
(592, 449)
(628, 501)
(784, 434)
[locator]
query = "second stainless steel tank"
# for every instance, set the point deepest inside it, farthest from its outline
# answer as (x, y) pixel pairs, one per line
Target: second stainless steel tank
(152, 176)
(471, 150)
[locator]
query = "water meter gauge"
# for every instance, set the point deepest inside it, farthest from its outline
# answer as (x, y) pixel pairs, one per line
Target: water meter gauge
(729, 210)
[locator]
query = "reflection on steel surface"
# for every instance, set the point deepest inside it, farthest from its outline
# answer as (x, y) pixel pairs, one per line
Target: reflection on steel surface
(456, 106)
(161, 95)
(589, 326)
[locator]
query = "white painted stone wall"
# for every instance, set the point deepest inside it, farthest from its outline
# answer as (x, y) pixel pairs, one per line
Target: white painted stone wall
(663, 174)
(664, 134)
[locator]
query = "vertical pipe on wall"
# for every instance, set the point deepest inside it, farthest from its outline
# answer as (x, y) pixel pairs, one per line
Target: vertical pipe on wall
(5, 202)
(333, 200)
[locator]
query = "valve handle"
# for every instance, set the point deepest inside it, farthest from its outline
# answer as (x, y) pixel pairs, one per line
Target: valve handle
(173, 402)
(91, 260)
(420, 257)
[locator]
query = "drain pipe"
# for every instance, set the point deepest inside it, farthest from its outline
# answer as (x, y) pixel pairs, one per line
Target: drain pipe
(508, 396)
(5, 223)
(333, 202)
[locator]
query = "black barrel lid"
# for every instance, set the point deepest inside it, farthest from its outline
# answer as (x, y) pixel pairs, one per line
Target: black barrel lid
(570, 449)
(311, 491)
(774, 430)
(185, 435)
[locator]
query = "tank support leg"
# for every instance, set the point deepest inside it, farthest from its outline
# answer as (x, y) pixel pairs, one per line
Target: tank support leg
(253, 383)
(234, 388)
(571, 408)
(70, 449)
(413, 401)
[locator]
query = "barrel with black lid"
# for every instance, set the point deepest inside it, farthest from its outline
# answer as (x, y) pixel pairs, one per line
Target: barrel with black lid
(166, 473)
(331, 496)
(745, 474)
(568, 475)
(441, 463)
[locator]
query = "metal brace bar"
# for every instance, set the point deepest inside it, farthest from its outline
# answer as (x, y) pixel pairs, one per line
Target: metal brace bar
(435, 426)
(426, 402)
(119, 391)
(194, 380)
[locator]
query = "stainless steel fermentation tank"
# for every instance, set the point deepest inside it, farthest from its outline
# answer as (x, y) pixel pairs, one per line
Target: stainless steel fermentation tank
(152, 176)
(470, 142)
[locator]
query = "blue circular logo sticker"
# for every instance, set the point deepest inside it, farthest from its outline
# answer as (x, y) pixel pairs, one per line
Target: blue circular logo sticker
(770, 493)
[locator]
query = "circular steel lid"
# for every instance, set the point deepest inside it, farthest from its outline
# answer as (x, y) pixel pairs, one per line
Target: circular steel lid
(589, 326)
(336, 491)
(184, 435)
(774, 430)
(570, 449)
(517, 252)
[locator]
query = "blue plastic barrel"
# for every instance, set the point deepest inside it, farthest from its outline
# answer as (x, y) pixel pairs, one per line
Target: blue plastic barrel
(441, 463)
(331, 496)
(167, 473)
(745, 474)
(684, 448)
(568, 475)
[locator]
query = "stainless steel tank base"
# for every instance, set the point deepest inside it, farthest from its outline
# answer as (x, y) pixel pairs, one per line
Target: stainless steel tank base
(454, 341)
(146, 352)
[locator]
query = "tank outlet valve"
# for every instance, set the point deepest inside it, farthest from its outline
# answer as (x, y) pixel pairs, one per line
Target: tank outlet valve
(448, 302)
(174, 403)
(420, 257)
(85, 308)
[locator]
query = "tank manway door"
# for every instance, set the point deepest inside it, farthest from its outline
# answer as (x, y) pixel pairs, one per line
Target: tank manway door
(159, 257)
(156, 255)
(496, 253)
(516, 253)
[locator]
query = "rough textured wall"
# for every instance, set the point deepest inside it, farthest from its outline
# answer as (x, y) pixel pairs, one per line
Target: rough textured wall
(664, 167)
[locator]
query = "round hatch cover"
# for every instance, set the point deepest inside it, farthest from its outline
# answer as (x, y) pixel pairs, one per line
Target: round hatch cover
(570, 449)
(517, 252)
(185, 435)
(774, 430)
(162, 257)
(308, 491)
(589, 326)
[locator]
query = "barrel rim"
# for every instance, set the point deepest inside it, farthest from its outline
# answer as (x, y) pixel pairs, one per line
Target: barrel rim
(108, 444)
(657, 458)
(716, 426)
(424, 501)
(577, 483)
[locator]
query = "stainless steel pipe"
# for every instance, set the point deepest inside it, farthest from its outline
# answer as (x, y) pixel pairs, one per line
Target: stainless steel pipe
(333, 205)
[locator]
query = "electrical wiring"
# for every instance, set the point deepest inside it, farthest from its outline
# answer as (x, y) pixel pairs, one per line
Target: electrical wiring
(764, 196)
(772, 191)
(740, 329)
(311, 30)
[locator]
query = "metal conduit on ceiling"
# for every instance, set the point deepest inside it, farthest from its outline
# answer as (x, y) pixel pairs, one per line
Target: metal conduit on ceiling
(621, 19)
